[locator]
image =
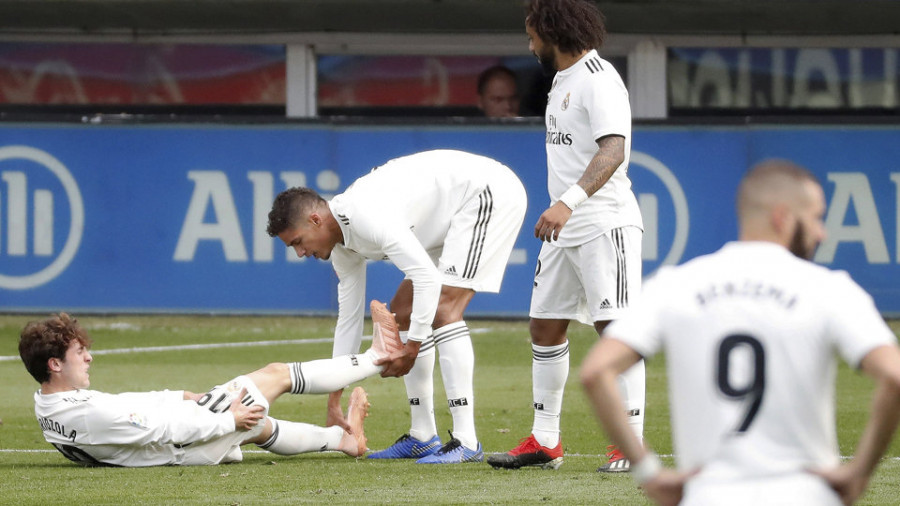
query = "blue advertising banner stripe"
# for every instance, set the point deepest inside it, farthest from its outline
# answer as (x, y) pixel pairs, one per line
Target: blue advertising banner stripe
(173, 217)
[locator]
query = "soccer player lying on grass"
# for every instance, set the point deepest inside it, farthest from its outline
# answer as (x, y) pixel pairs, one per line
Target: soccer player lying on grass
(138, 429)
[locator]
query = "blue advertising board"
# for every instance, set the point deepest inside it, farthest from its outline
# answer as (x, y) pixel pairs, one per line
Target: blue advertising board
(172, 218)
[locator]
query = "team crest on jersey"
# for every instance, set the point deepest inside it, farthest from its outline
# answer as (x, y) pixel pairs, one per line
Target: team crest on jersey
(137, 420)
(565, 102)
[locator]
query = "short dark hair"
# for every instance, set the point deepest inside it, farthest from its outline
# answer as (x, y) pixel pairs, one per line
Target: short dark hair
(492, 72)
(571, 25)
(289, 206)
(42, 340)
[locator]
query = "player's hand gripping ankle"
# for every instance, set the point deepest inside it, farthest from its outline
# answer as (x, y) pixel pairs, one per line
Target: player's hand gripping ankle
(401, 361)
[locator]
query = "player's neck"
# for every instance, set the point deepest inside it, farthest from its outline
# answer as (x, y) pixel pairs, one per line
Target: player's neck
(334, 229)
(750, 236)
(53, 387)
(566, 60)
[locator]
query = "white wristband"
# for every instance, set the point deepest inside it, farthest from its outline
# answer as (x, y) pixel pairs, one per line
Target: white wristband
(574, 196)
(647, 469)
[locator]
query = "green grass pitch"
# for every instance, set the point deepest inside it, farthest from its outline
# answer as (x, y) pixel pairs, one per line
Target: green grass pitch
(30, 473)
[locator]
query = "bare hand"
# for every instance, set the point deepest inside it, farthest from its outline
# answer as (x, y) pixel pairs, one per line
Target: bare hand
(401, 361)
(191, 396)
(552, 221)
(846, 481)
(245, 417)
(667, 488)
(335, 415)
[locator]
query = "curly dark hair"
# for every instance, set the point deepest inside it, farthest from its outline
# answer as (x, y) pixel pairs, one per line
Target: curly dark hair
(42, 340)
(289, 206)
(571, 25)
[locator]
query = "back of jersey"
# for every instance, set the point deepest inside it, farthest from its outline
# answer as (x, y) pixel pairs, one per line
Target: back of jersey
(750, 335)
(425, 190)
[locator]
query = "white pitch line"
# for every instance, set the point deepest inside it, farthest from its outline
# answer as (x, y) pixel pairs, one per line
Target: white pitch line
(117, 351)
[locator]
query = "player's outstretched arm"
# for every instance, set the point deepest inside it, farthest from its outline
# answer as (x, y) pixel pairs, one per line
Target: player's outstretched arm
(605, 362)
(850, 480)
(607, 359)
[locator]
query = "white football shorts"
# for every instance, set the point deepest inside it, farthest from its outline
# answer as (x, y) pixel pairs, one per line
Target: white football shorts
(596, 281)
(481, 236)
(795, 489)
(228, 447)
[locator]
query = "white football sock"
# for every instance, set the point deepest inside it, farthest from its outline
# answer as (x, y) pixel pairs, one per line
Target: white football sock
(457, 357)
(292, 438)
(331, 374)
(549, 372)
(420, 391)
(632, 386)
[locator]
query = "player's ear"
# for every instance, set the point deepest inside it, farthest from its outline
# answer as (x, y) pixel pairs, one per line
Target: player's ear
(54, 365)
(314, 219)
(783, 220)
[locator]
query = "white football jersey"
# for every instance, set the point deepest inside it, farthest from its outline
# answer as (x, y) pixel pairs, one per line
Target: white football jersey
(127, 429)
(751, 335)
(589, 101)
(402, 211)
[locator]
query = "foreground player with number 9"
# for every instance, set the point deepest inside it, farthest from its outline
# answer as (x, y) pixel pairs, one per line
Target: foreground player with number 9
(750, 333)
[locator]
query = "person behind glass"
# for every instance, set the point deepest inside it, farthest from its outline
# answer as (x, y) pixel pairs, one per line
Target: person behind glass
(498, 94)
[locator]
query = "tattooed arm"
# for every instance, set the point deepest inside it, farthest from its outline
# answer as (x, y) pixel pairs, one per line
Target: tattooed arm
(609, 156)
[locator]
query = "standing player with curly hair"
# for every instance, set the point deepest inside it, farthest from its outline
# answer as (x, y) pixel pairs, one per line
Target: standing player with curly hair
(589, 267)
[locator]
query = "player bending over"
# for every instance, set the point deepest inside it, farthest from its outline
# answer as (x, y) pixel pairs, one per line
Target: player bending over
(448, 219)
(138, 429)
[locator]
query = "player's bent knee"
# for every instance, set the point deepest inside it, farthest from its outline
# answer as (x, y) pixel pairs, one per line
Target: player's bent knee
(275, 368)
(452, 305)
(447, 314)
(270, 371)
(548, 332)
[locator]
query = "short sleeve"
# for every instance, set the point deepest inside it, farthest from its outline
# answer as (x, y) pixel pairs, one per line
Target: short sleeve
(641, 328)
(857, 328)
(608, 110)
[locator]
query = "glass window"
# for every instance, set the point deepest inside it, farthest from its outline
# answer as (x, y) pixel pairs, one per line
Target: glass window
(779, 80)
(424, 85)
(141, 74)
